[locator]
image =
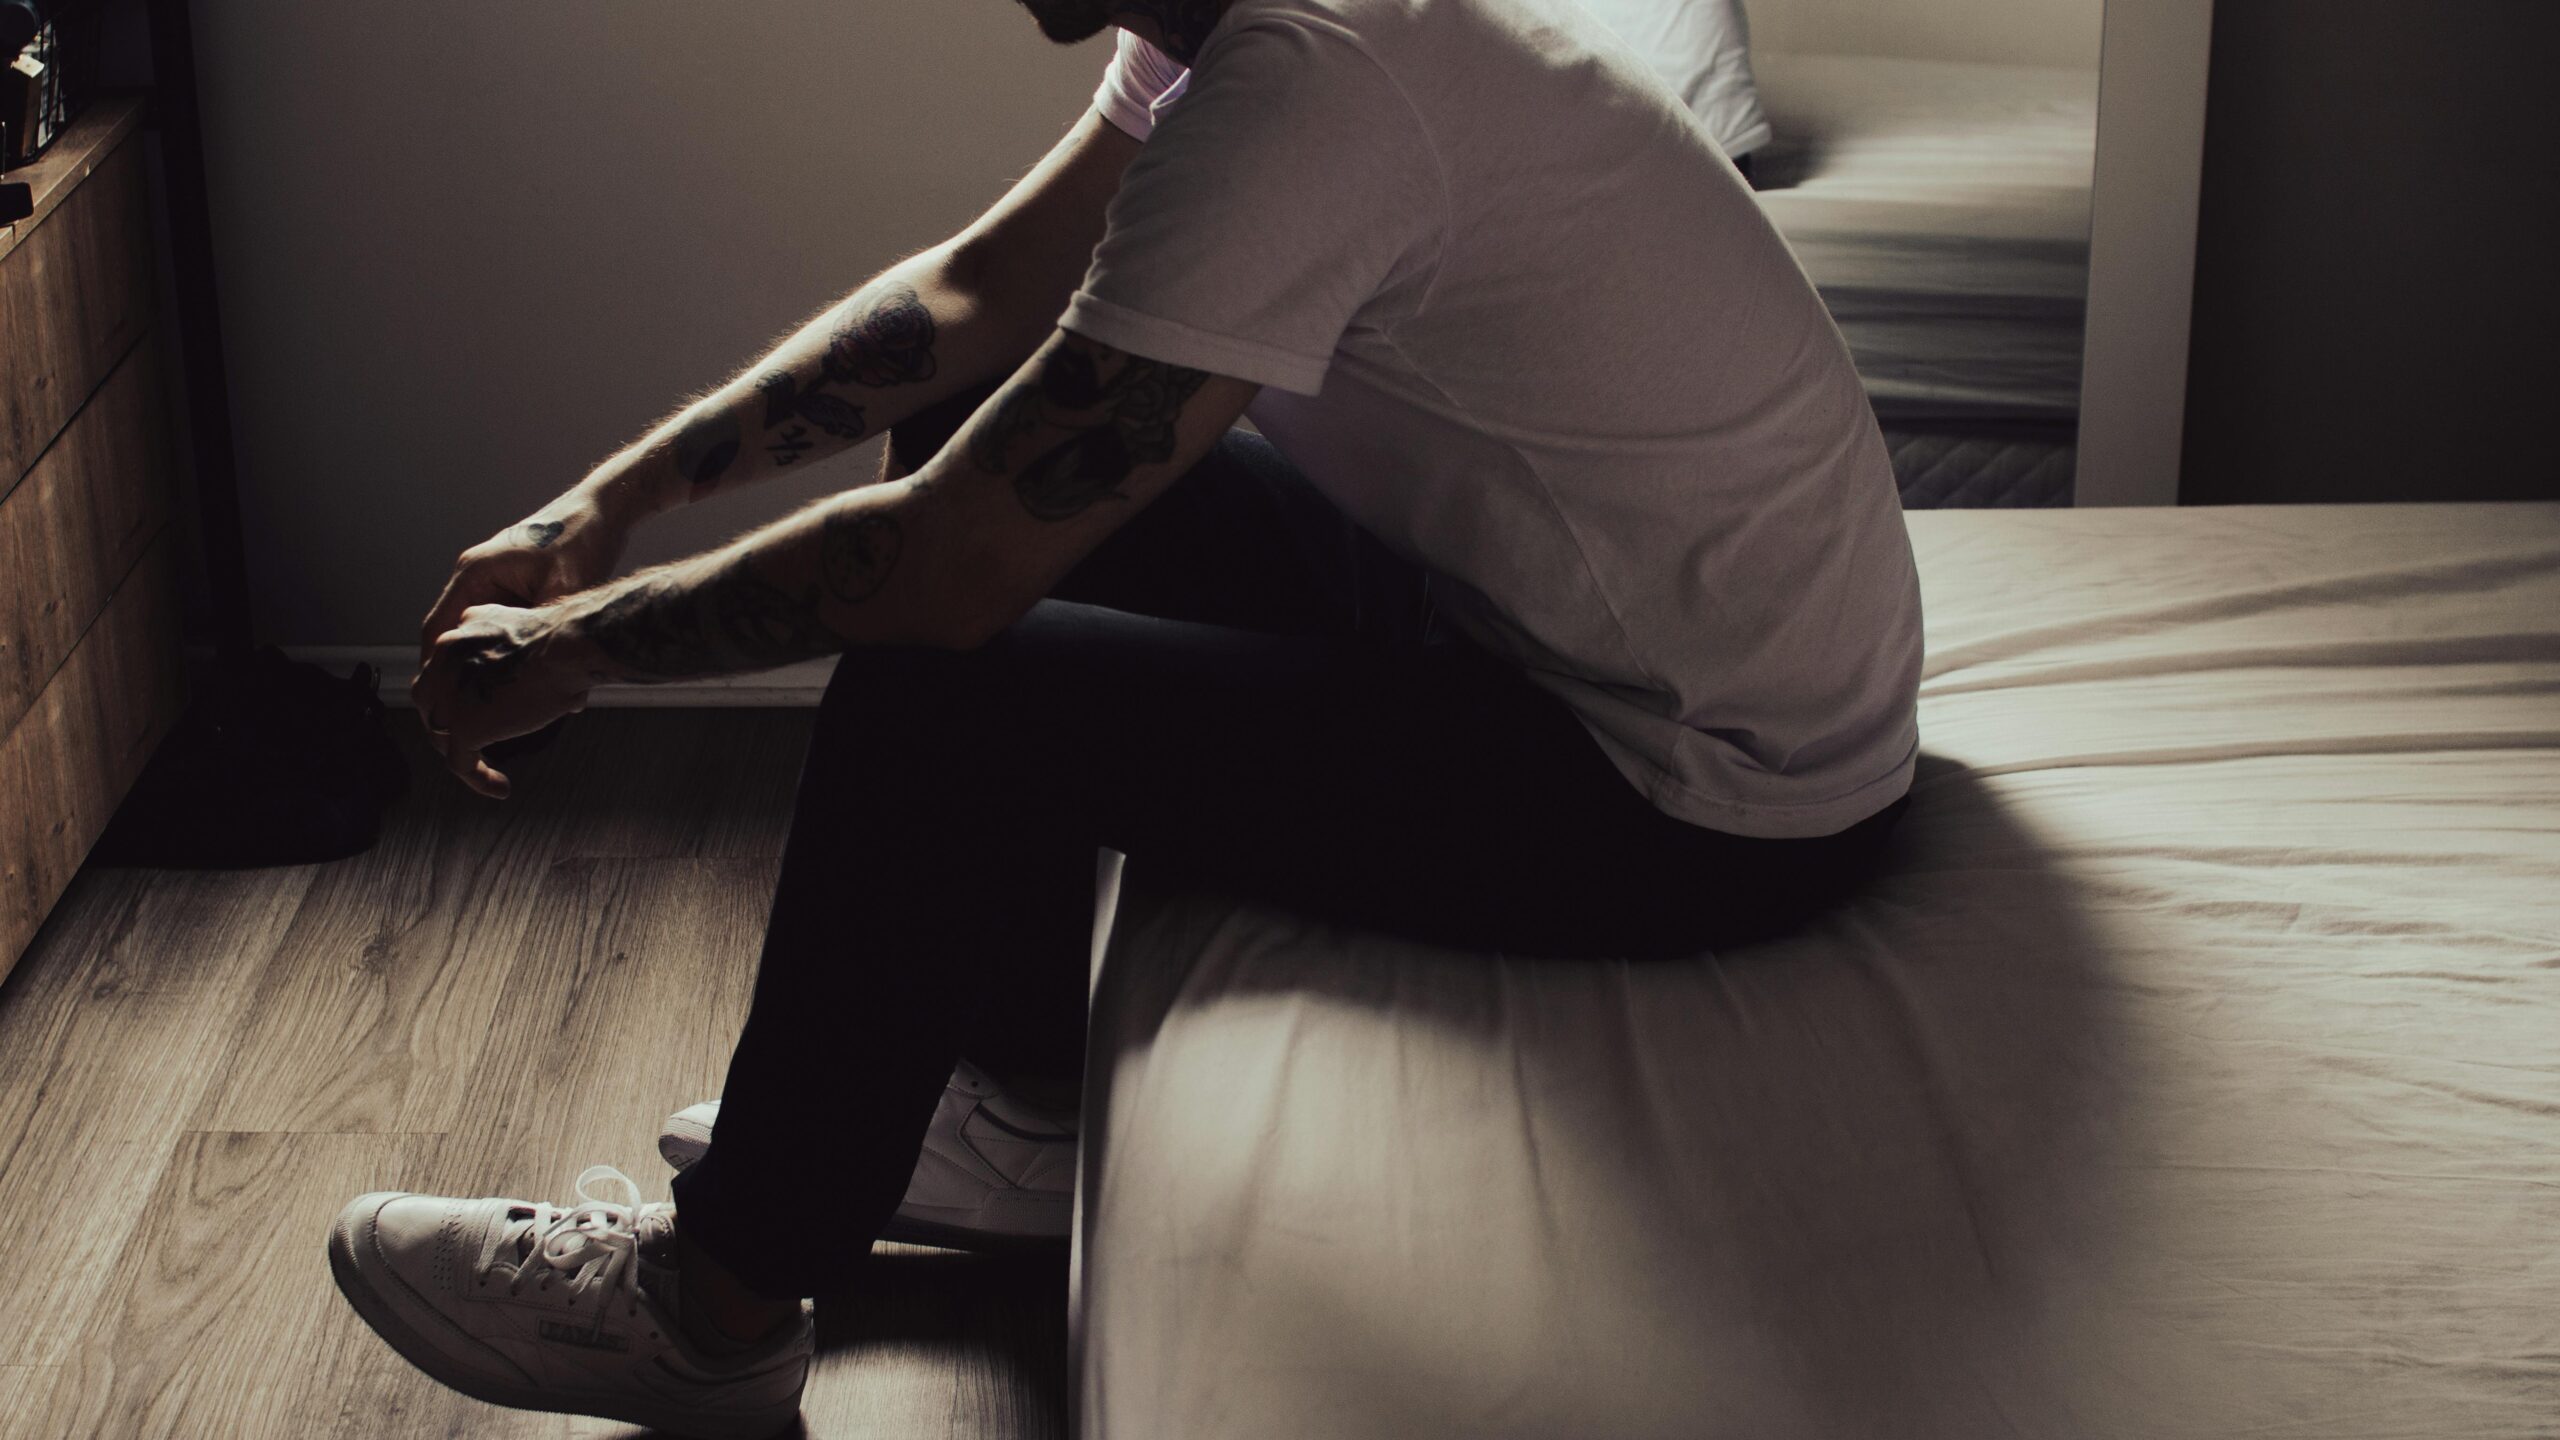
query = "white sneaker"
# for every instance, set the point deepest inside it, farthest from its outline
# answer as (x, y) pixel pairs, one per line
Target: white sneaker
(996, 1173)
(548, 1308)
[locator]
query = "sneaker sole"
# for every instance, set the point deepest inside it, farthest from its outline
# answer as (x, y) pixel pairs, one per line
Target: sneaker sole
(437, 1366)
(683, 1142)
(902, 1230)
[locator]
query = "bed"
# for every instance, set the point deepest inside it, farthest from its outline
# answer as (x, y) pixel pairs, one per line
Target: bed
(1942, 209)
(2190, 1071)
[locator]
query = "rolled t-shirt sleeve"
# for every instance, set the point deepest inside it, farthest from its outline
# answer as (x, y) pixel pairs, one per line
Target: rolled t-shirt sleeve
(1290, 193)
(1139, 75)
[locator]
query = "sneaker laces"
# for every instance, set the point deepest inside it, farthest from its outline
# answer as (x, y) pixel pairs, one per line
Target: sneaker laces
(595, 1242)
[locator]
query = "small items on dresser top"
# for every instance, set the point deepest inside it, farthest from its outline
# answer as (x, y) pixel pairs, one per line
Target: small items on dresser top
(48, 72)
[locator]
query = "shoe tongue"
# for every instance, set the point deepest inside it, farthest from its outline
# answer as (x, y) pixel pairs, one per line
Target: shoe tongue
(522, 1218)
(654, 1228)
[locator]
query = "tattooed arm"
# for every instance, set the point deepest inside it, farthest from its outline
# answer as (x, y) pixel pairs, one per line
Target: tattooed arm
(930, 327)
(927, 328)
(1074, 444)
(915, 334)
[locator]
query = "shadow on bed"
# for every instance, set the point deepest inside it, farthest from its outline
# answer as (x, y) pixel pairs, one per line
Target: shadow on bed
(1859, 1180)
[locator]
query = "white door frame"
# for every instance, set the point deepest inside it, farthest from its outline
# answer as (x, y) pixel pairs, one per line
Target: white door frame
(2142, 250)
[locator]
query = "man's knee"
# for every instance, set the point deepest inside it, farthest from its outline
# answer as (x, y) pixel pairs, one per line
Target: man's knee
(874, 682)
(1058, 660)
(924, 691)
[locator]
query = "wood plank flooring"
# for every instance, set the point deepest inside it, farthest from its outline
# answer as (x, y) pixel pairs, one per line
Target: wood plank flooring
(198, 1069)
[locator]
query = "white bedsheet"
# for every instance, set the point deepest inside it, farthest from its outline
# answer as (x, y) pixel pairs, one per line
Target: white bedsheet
(1942, 209)
(2193, 1070)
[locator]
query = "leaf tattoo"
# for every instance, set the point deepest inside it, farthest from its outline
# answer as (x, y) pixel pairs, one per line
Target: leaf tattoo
(705, 448)
(831, 413)
(888, 340)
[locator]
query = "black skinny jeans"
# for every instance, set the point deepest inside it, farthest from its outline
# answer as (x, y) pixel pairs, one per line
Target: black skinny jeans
(1239, 689)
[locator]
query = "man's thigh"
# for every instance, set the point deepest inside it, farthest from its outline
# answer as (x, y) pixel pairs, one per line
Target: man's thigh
(1428, 791)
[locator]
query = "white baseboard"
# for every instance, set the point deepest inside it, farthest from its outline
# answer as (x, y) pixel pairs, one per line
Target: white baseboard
(791, 685)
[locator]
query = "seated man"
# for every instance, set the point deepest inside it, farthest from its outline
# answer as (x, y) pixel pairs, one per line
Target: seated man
(1566, 610)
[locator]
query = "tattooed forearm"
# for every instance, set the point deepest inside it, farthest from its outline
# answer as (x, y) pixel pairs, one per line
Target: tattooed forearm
(650, 628)
(778, 390)
(1114, 424)
(664, 626)
(882, 337)
(768, 603)
(704, 450)
(1072, 478)
(766, 625)
(887, 341)
(543, 532)
(785, 402)
(834, 414)
(1016, 413)
(856, 554)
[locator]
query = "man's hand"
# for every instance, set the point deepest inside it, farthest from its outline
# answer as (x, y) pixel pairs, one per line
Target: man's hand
(560, 549)
(501, 672)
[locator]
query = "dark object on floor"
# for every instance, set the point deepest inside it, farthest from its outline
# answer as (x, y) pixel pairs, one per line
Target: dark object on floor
(17, 202)
(274, 762)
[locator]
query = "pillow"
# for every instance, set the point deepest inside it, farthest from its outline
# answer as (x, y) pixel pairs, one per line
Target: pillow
(1702, 50)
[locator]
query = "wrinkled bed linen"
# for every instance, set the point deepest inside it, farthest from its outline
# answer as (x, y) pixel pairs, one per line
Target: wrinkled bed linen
(2191, 1070)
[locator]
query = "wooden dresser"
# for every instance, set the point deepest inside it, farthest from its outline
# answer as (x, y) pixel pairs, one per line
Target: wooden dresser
(90, 674)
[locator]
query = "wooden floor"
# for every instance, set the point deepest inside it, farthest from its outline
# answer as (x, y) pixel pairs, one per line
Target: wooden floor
(198, 1069)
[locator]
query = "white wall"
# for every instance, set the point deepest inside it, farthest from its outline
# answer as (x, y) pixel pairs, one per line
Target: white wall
(2017, 32)
(468, 250)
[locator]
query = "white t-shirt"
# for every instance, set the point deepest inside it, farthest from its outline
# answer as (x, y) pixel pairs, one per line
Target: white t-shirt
(1517, 316)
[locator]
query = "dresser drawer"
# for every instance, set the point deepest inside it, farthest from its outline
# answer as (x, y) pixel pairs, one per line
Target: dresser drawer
(67, 765)
(74, 526)
(74, 296)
